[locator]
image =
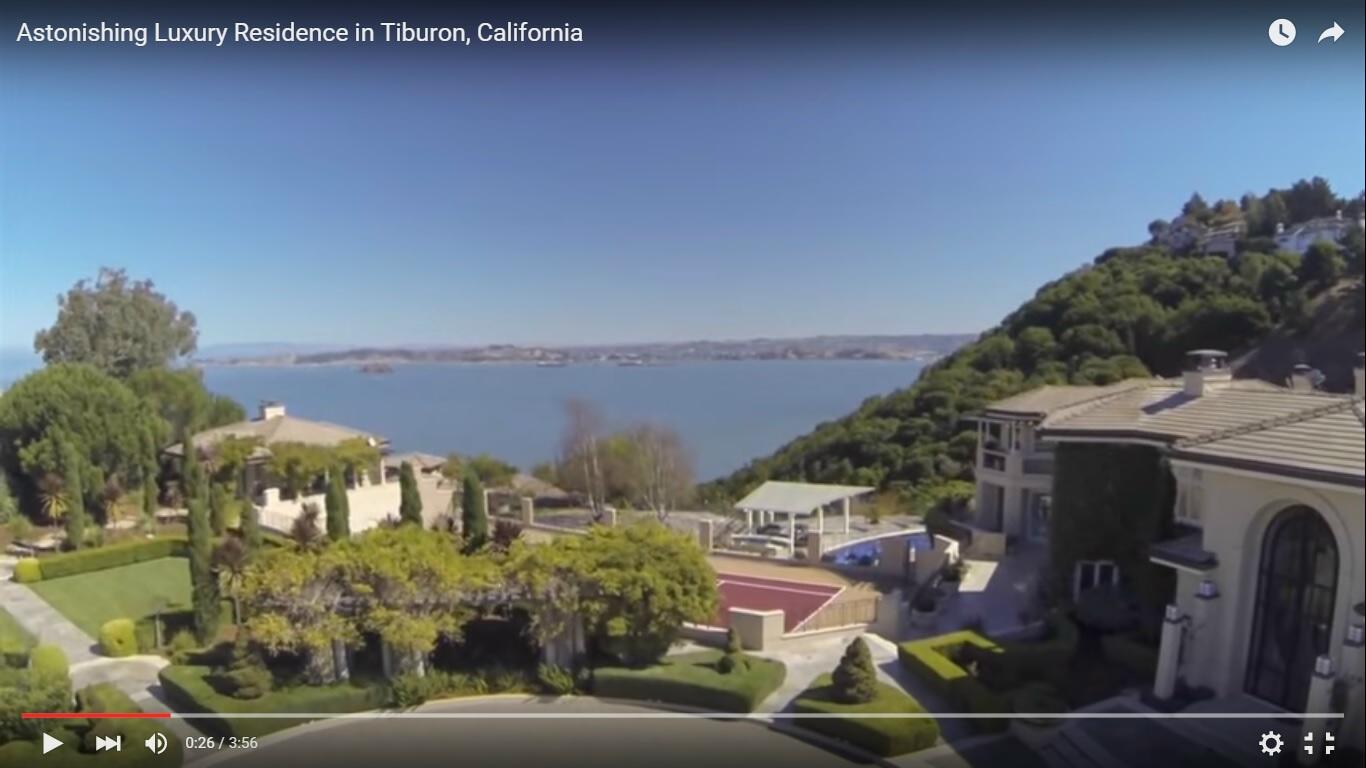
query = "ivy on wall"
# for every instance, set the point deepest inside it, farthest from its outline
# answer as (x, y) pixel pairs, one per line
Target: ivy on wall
(1110, 502)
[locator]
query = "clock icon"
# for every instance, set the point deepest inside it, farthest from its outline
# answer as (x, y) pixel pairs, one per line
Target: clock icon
(1281, 32)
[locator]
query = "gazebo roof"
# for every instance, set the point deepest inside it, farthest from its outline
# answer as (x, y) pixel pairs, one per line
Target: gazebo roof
(798, 498)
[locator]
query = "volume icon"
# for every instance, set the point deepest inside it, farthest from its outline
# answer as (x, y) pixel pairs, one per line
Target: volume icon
(156, 743)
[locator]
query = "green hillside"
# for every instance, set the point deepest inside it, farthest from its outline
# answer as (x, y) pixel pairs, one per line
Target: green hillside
(1132, 312)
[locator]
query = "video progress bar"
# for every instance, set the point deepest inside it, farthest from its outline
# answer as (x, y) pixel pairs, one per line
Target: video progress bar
(687, 716)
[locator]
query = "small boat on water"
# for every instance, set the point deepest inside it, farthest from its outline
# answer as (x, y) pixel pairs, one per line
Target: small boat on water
(377, 368)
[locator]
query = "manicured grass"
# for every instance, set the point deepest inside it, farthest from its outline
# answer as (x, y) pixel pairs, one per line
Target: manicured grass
(881, 736)
(126, 592)
(14, 640)
(692, 680)
(191, 689)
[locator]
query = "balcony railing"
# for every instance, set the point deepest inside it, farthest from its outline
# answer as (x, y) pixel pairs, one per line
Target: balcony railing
(993, 460)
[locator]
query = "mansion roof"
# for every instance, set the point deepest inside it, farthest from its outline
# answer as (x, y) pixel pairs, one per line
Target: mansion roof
(1240, 424)
(282, 428)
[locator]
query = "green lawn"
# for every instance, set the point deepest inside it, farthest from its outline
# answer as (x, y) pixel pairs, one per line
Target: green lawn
(13, 638)
(693, 680)
(127, 592)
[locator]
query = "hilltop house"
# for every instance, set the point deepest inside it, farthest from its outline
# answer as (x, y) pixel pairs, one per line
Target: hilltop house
(370, 497)
(1244, 497)
(1331, 229)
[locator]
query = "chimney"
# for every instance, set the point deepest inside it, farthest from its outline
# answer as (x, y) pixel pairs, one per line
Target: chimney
(270, 409)
(1302, 378)
(1360, 373)
(1205, 367)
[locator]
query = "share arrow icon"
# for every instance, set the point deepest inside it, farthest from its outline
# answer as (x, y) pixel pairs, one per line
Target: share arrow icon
(1332, 33)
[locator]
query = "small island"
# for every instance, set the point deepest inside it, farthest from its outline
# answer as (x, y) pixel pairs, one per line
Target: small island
(377, 368)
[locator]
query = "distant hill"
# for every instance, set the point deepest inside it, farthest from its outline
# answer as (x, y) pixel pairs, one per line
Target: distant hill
(885, 347)
(1133, 311)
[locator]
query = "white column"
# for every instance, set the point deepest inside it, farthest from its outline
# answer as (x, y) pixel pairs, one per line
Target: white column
(1320, 700)
(820, 519)
(749, 520)
(791, 533)
(1169, 653)
(846, 514)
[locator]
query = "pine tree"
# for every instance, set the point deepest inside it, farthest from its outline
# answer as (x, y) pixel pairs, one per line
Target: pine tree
(474, 518)
(75, 498)
(410, 501)
(855, 679)
(338, 508)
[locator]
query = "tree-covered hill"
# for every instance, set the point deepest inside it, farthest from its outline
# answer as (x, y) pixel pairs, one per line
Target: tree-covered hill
(1134, 311)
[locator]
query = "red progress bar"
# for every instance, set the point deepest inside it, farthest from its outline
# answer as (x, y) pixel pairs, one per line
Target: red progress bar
(96, 715)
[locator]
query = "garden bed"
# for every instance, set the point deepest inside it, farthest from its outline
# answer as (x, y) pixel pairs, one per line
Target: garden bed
(190, 689)
(692, 680)
(885, 737)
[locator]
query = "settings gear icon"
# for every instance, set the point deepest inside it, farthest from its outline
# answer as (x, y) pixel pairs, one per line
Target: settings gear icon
(1271, 743)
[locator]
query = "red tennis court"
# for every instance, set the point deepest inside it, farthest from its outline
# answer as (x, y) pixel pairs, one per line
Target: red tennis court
(798, 600)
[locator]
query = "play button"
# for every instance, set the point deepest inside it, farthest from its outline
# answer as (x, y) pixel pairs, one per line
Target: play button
(50, 743)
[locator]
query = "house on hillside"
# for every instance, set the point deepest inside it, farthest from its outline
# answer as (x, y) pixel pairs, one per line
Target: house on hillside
(1237, 507)
(370, 497)
(1331, 229)
(1222, 240)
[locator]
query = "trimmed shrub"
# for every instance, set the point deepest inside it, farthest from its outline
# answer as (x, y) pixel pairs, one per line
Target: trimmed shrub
(855, 679)
(118, 638)
(104, 697)
(181, 645)
(49, 661)
(556, 680)
(28, 571)
(693, 680)
(112, 556)
(881, 736)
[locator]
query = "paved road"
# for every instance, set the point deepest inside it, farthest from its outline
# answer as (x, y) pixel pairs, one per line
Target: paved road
(520, 743)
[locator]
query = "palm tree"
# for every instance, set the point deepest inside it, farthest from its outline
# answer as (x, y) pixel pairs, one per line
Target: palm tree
(230, 559)
(52, 496)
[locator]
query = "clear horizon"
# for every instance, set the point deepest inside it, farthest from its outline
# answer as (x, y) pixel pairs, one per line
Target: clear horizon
(620, 192)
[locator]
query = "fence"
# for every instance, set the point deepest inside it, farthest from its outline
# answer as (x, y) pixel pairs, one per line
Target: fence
(844, 613)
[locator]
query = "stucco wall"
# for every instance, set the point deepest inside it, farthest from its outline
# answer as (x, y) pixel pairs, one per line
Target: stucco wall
(1237, 510)
(370, 505)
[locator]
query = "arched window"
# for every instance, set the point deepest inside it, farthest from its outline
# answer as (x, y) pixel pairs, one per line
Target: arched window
(1296, 593)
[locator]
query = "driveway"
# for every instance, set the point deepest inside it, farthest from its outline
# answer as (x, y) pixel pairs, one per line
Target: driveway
(560, 736)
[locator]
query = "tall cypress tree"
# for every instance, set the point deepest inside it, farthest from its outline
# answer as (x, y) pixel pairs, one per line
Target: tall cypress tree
(409, 500)
(474, 518)
(338, 508)
(220, 498)
(75, 497)
(203, 579)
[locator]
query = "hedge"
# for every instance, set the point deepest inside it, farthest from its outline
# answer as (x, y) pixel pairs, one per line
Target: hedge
(28, 571)
(885, 737)
(692, 680)
(112, 556)
(118, 638)
(189, 689)
(931, 660)
(104, 697)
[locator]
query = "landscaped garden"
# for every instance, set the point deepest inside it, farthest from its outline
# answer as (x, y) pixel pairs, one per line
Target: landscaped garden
(698, 680)
(14, 640)
(126, 592)
(1067, 669)
(851, 691)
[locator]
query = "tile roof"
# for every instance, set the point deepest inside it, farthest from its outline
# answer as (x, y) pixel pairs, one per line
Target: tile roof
(1051, 399)
(1242, 423)
(279, 429)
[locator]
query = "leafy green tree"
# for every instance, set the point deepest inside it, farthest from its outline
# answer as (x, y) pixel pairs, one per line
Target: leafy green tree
(179, 398)
(75, 517)
(491, 471)
(9, 506)
(409, 499)
(1033, 346)
(1323, 265)
(855, 679)
(251, 529)
(474, 518)
(305, 531)
(102, 420)
(356, 456)
(118, 326)
(633, 587)
(299, 465)
(338, 507)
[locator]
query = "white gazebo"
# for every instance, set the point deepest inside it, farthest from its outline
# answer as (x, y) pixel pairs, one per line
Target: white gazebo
(795, 500)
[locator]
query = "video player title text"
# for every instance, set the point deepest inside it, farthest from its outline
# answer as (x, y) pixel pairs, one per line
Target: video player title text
(291, 32)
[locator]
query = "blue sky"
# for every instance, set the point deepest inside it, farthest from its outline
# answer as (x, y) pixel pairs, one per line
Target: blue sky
(636, 193)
